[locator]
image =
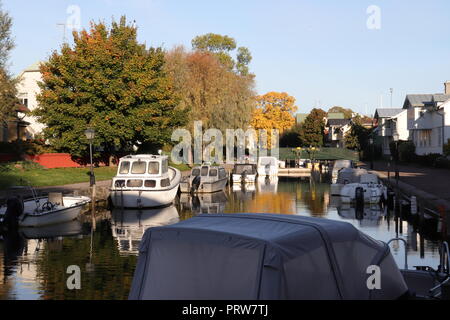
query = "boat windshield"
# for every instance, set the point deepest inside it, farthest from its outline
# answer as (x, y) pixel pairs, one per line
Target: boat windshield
(138, 167)
(124, 167)
(239, 169)
(196, 172)
(165, 166)
(213, 173)
(153, 167)
(204, 171)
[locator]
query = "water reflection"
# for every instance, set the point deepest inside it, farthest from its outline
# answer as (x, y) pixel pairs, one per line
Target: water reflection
(33, 262)
(128, 226)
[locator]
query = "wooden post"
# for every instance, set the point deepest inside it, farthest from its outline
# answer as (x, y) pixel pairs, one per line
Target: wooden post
(93, 205)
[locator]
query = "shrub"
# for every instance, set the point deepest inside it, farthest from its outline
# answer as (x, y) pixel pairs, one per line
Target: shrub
(447, 148)
(407, 151)
(442, 162)
(429, 160)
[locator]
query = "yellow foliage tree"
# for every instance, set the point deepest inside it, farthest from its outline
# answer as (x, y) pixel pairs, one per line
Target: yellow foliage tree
(275, 110)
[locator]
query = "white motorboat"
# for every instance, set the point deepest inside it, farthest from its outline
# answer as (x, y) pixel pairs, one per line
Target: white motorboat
(346, 176)
(268, 166)
(205, 179)
(44, 211)
(369, 189)
(244, 173)
(144, 181)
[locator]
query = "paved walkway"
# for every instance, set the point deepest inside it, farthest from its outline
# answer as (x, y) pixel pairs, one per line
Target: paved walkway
(430, 180)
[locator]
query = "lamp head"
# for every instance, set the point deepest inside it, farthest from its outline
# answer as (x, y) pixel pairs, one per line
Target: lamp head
(90, 134)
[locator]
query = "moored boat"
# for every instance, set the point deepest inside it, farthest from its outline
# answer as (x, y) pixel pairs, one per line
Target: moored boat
(205, 179)
(144, 181)
(268, 166)
(43, 211)
(244, 173)
(368, 190)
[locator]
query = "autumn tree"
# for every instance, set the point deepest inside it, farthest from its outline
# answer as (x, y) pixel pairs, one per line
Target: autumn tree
(222, 47)
(209, 91)
(312, 130)
(108, 81)
(7, 83)
(274, 111)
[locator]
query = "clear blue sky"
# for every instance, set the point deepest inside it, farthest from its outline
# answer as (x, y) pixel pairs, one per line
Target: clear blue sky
(317, 50)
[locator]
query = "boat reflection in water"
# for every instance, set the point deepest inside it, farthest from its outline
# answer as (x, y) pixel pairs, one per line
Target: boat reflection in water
(67, 229)
(204, 203)
(129, 226)
(368, 216)
(267, 184)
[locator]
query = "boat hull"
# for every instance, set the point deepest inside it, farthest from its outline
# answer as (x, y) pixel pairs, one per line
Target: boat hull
(142, 198)
(237, 178)
(205, 187)
(51, 218)
(372, 194)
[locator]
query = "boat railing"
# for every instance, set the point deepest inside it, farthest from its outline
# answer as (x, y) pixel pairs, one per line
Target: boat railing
(405, 246)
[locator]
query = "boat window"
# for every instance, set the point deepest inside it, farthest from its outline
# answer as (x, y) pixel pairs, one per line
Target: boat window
(120, 183)
(153, 167)
(196, 172)
(213, 173)
(165, 166)
(239, 169)
(124, 167)
(150, 183)
(204, 171)
(138, 167)
(165, 183)
(134, 183)
(222, 173)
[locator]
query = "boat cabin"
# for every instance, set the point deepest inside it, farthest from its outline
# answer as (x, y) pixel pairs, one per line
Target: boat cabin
(148, 171)
(208, 171)
(249, 169)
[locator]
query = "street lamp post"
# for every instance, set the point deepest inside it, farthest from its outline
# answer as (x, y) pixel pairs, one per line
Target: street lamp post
(90, 135)
(371, 152)
(397, 176)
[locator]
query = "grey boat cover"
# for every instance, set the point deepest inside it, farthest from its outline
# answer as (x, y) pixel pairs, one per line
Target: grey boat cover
(262, 256)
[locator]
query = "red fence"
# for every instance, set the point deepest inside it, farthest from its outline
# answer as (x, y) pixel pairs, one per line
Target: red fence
(54, 160)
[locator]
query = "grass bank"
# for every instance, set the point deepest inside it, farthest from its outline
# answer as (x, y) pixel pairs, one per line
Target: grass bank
(25, 173)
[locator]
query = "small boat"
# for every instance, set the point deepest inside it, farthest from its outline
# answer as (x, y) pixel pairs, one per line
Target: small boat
(263, 257)
(205, 179)
(346, 176)
(368, 190)
(268, 166)
(44, 211)
(144, 181)
(244, 173)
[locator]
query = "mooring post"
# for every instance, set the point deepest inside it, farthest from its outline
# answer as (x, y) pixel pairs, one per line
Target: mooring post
(93, 202)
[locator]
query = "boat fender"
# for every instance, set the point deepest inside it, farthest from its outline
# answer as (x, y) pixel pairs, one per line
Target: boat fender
(359, 197)
(195, 184)
(14, 209)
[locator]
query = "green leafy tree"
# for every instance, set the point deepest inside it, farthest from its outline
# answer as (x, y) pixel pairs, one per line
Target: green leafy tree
(7, 83)
(112, 83)
(357, 138)
(348, 113)
(312, 130)
(222, 46)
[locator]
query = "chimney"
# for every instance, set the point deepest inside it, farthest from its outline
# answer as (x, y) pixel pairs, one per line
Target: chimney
(447, 87)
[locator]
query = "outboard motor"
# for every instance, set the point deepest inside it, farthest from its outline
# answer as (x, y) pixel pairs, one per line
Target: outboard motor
(359, 198)
(243, 176)
(14, 209)
(196, 184)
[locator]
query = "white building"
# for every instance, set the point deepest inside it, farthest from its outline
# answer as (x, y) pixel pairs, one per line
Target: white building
(27, 90)
(337, 129)
(428, 117)
(391, 121)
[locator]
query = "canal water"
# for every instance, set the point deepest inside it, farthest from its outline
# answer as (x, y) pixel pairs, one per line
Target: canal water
(34, 262)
